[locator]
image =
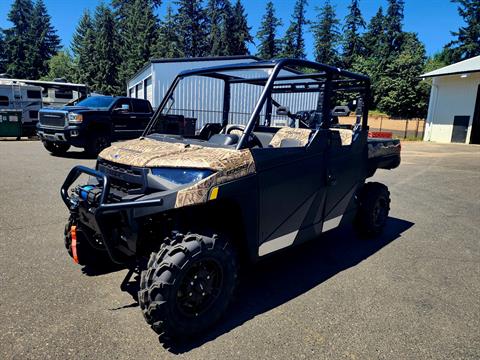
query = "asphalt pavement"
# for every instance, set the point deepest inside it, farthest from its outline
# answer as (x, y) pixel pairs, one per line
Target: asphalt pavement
(413, 293)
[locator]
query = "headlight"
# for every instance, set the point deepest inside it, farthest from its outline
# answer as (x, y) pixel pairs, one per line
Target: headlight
(182, 176)
(72, 117)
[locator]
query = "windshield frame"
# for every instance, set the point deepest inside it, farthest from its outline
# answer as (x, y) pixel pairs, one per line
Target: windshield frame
(329, 73)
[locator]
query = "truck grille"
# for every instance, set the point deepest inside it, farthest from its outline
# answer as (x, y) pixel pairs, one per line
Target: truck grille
(56, 119)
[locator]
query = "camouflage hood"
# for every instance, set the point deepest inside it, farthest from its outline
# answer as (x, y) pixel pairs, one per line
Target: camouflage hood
(228, 164)
(154, 153)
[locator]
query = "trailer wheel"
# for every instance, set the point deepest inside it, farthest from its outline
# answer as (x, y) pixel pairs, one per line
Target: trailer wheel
(187, 285)
(80, 249)
(373, 209)
(56, 148)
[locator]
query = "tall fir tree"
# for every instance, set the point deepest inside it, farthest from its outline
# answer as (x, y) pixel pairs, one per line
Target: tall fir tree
(191, 25)
(374, 39)
(352, 41)
(168, 43)
(219, 22)
(393, 26)
(47, 42)
(138, 33)
(326, 35)
(18, 42)
(83, 49)
(240, 36)
(269, 46)
(293, 42)
(105, 79)
(467, 42)
(3, 60)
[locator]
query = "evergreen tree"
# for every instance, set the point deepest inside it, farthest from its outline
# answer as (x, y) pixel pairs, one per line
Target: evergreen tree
(60, 65)
(240, 35)
(168, 43)
(137, 37)
(269, 46)
(352, 41)
(3, 60)
(46, 43)
(467, 43)
(83, 48)
(374, 39)
(404, 95)
(293, 42)
(18, 42)
(191, 29)
(326, 35)
(105, 54)
(393, 26)
(219, 17)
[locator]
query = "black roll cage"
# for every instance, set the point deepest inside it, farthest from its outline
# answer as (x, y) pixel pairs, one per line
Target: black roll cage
(328, 79)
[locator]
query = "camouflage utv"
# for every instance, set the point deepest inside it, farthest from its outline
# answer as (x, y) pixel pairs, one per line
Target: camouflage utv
(205, 189)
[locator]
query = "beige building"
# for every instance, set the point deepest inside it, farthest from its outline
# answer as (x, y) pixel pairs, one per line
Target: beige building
(454, 107)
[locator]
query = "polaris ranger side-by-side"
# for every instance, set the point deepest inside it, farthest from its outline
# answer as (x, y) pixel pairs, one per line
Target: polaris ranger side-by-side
(258, 176)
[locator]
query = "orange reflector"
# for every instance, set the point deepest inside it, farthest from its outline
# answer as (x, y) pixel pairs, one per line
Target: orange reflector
(73, 234)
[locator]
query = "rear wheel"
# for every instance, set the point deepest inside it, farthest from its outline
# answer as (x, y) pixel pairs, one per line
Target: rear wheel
(56, 148)
(188, 285)
(78, 240)
(373, 210)
(97, 143)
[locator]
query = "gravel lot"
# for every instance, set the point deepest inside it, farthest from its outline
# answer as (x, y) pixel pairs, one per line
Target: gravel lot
(413, 293)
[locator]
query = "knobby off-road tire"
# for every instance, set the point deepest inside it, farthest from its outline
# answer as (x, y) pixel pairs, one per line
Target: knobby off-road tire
(56, 148)
(86, 253)
(373, 210)
(187, 285)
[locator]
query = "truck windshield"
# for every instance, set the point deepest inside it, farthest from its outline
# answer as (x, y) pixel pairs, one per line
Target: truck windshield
(97, 102)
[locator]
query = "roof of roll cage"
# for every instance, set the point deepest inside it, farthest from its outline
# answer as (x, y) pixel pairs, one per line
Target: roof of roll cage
(285, 63)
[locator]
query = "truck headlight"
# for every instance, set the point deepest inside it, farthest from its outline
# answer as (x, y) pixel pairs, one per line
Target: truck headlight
(75, 118)
(181, 176)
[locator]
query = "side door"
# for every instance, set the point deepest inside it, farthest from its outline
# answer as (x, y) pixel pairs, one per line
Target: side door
(120, 115)
(142, 112)
(346, 169)
(291, 188)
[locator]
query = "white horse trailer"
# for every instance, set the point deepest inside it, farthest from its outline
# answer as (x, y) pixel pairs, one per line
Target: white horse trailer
(18, 96)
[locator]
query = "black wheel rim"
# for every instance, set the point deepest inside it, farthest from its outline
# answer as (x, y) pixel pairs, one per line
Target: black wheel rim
(380, 213)
(200, 287)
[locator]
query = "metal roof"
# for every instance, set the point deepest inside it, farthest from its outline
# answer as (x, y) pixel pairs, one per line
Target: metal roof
(462, 67)
(40, 82)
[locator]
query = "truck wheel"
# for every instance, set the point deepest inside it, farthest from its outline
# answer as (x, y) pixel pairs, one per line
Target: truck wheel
(80, 249)
(187, 285)
(56, 148)
(373, 209)
(97, 143)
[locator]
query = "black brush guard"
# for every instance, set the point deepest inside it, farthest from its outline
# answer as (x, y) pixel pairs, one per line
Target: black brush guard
(103, 207)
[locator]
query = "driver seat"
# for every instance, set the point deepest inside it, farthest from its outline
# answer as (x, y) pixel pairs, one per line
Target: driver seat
(224, 139)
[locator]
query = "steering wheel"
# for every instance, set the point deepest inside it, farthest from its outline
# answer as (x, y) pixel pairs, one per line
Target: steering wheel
(253, 139)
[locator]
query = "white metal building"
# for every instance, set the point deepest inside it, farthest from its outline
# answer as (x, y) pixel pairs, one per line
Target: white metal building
(454, 107)
(153, 80)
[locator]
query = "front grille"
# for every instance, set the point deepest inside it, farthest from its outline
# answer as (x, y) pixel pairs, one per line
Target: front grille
(56, 119)
(123, 178)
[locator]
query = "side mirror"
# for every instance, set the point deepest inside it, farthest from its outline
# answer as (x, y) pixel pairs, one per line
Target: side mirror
(123, 108)
(283, 110)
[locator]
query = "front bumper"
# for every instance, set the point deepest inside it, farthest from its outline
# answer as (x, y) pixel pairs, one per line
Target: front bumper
(72, 134)
(94, 214)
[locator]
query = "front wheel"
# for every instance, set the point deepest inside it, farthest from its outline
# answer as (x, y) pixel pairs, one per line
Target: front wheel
(373, 209)
(56, 148)
(97, 143)
(188, 285)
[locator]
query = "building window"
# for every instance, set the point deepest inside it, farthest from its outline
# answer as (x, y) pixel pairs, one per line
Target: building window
(139, 91)
(148, 89)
